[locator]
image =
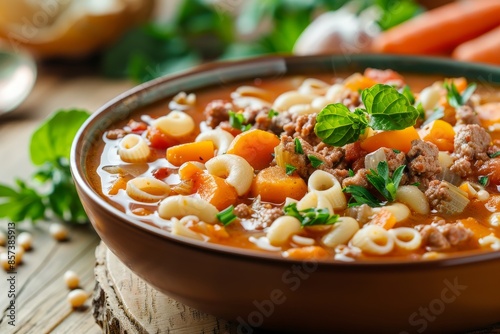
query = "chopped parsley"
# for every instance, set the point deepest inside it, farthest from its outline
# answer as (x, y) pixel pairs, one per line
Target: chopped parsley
(455, 99)
(237, 120)
(272, 113)
(484, 180)
(360, 195)
(310, 216)
(227, 215)
(351, 172)
(315, 161)
(494, 155)
(298, 146)
(290, 169)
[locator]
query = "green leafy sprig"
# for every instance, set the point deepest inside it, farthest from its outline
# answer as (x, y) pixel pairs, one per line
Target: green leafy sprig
(455, 99)
(311, 216)
(386, 109)
(55, 193)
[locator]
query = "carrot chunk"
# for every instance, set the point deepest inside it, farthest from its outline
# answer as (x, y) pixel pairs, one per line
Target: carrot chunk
(440, 133)
(201, 151)
(274, 185)
(255, 146)
(396, 139)
(214, 190)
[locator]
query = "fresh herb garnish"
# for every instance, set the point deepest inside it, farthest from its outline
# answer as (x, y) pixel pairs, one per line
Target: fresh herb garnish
(386, 109)
(290, 169)
(360, 195)
(227, 215)
(350, 172)
(416, 184)
(50, 149)
(396, 151)
(311, 216)
(315, 161)
(455, 99)
(272, 113)
(484, 180)
(385, 184)
(298, 146)
(494, 155)
(237, 120)
(406, 91)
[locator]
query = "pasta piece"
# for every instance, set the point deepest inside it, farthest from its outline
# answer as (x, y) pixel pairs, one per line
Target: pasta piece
(175, 124)
(399, 210)
(303, 241)
(315, 199)
(252, 102)
(341, 232)
(221, 139)
(327, 185)
(313, 86)
(429, 97)
(250, 91)
(182, 101)
(406, 238)
(291, 98)
(414, 198)
(178, 228)
(180, 206)
(263, 243)
(236, 170)
(282, 229)
(335, 93)
(302, 109)
(147, 189)
(490, 241)
(133, 148)
(373, 239)
(494, 220)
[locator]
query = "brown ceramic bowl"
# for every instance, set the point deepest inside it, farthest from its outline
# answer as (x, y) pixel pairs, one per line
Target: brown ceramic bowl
(448, 295)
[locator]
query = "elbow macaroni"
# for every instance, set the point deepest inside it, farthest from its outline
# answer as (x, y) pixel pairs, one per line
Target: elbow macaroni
(326, 184)
(236, 170)
(180, 206)
(221, 139)
(147, 189)
(133, 148)
(175, 124)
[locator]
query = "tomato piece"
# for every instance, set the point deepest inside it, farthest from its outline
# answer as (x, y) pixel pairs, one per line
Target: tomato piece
(160, 140)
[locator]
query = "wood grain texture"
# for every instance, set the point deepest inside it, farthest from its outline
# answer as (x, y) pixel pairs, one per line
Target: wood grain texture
(123, 303)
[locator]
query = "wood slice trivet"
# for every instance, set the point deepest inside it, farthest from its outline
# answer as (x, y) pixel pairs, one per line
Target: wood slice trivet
(124, 303)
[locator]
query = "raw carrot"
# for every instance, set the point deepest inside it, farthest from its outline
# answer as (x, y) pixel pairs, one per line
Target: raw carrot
(483, 49)
(396, 139)
(200, 151)
(255, 146)
(274, 185)
(442, 29)
(214, 190)
(440, 133)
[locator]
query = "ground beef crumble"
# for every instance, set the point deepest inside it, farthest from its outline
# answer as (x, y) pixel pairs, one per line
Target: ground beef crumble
(441, 236)
(470, 149)
(259, 215)
(422, 163)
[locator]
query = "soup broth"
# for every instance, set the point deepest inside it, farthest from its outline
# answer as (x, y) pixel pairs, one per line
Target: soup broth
(351, 167)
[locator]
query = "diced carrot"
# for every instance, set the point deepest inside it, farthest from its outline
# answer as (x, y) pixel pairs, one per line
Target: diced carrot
(384, 218)
(396, 139)
(160, 140)
(200, 151)
(489, 113)
(484, 49)
(441, 29)
(383, 76)
(214, 232)
(188, 170)
(120, 183)
(307, 253)
(440, 133)
(214, 190)
(274, 185)
(491, 168)
(255, 146)
(358, 82)
(479, 230)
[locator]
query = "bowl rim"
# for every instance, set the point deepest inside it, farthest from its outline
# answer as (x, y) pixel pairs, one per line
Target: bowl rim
(247, 254)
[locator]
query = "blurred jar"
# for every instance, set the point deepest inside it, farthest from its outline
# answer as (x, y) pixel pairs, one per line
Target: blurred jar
(68, 28)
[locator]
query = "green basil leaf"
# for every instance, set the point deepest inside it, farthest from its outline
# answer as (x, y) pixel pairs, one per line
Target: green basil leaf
(337, 125)
(389, 109)
(52, 140)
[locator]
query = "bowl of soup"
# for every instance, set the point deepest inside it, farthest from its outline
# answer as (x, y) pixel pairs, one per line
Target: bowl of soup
(307, 194)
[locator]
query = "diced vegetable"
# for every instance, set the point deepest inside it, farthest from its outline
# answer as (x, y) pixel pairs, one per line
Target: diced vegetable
(282, 157)
(119, 183)
(479, 230)
(396, 139)
(188, 170)
(357, 82)
(272, 184)
(440, 133)
(214, 190)
(484, 49)
(255, 146)
(460, 20)
(306, 253)
(491, 168)
(384, 218)
(489, 113)
(201, 151)
(160, 140)
(458, 200)
(383, 76)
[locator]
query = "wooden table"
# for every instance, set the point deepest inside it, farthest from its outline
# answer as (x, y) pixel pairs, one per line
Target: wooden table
(41, 305)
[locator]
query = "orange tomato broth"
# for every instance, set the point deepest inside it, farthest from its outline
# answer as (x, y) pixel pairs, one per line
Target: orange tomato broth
(239, 236)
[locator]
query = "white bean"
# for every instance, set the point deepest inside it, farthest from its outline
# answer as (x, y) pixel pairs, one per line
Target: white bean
(25, 240)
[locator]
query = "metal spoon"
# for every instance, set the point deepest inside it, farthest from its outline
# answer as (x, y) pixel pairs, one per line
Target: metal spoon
(17, 78)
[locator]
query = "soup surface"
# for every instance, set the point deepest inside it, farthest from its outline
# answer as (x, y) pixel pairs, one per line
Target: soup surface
(350, 167)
